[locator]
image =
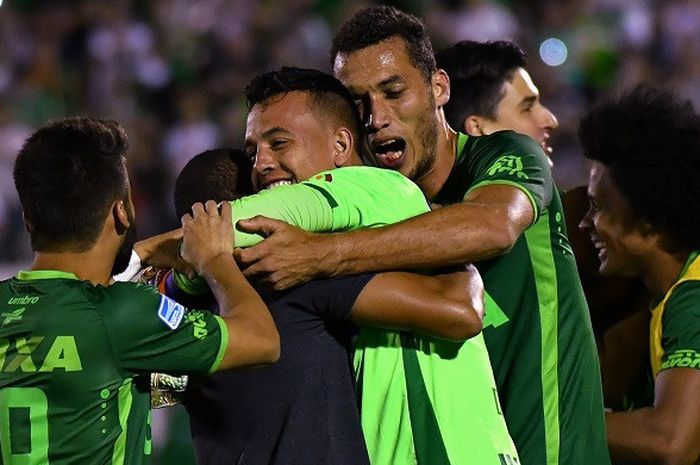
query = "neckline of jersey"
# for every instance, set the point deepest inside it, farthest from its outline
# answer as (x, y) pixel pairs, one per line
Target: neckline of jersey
(693, 255)
(26, 275)
(461, 142)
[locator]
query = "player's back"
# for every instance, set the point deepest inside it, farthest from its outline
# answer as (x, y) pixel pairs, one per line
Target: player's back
(62, 398)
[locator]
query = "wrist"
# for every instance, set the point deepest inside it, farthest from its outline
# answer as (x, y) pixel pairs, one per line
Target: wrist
(215, 263)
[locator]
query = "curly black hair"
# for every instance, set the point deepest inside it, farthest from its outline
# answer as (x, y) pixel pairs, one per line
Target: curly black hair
(477, 72)
(649, 140)
(379, 23)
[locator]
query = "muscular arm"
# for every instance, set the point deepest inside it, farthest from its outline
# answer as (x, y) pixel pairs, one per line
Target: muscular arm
(447, 306)
(253, 337)
(486, 224)
(669, 432)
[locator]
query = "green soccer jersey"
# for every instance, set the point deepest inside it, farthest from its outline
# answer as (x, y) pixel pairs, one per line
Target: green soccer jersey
(70, 354)
(543, 354)
(423, 401)
(675, 322)
(337, 200)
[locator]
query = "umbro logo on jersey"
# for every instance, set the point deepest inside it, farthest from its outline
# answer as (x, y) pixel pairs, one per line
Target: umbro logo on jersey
(170, 312)
(24, 300)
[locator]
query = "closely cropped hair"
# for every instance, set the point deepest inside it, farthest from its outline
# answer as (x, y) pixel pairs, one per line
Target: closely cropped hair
(218, 174)
(329, 97)
(650, 142)
(477, 72)
(379, 23)
(67, 175)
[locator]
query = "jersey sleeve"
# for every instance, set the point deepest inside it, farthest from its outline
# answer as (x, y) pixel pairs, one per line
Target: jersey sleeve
(516, 160)
(680, 337)
(297, 204)
(367, 197)
(332, 297)
(342, 199)
(149, 332)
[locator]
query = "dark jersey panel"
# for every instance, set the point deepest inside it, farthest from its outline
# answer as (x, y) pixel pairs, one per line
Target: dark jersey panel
(301, 410)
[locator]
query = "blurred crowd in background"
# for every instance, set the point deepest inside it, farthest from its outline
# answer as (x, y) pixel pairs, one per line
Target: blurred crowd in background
(172, 72)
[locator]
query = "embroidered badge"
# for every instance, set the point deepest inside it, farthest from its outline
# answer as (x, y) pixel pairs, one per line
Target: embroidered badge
(170, 312)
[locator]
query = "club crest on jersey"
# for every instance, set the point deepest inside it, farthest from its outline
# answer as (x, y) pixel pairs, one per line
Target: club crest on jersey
(325, 177)
(170, 312)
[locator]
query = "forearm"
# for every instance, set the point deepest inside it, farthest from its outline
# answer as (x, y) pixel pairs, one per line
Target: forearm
(641, 437)
(452, 235)
(248, 318)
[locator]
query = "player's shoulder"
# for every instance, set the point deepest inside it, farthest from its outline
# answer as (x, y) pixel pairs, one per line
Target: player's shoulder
(506, 141)
(366, 176)
(686, 295)
(126, 295)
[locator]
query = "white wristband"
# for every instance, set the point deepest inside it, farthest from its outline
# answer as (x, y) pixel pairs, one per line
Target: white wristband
(132, 270)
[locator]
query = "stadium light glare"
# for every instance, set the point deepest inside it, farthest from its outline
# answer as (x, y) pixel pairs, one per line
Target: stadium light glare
(553, 51)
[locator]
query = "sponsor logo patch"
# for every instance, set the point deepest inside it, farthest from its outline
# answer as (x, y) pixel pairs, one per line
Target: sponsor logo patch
(682, 359)
(170, 312)
(509, 164)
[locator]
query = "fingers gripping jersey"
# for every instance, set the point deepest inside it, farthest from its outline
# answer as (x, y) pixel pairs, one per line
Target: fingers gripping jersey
(69, 355)
(419, 396)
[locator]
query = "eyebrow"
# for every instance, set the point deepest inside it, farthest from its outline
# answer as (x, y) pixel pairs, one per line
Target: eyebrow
(528, 100)
(269, 133)
(390, 80)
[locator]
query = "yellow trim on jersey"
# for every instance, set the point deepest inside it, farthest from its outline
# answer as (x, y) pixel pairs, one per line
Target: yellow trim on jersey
(691, 272)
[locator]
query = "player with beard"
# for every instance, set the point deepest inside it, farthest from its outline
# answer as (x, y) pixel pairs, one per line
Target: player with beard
(502, 211)
(303, 409)
(644, 193)
(300, 122)
(70, 344)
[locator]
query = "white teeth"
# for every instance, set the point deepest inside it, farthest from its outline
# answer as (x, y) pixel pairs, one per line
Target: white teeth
(284, 182)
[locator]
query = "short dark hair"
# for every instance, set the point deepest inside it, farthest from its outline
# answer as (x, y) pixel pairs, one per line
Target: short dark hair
(67, 175)
(217, 174)
(379, 23)
(329, 97)
(477, 72)
(650, 142)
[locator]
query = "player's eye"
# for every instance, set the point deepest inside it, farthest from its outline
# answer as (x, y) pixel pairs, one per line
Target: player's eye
(278, 144)
(394, 93)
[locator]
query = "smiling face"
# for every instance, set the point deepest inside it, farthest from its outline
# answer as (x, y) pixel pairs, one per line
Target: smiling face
(614, 231)
(520, 110)
(396, 103)
(287, 142)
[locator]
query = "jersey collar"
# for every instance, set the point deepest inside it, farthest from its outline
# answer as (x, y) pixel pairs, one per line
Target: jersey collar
(44, 274)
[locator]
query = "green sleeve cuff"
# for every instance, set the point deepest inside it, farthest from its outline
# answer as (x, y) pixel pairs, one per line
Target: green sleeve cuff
(222, 345)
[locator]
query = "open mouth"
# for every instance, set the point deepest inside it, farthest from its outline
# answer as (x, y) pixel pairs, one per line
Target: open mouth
(283, 182)
(389, 152)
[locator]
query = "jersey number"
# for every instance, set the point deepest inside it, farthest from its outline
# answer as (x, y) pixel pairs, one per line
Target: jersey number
(24, 429)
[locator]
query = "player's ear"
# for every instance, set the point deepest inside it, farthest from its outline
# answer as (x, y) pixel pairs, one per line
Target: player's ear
(343, 146)
(440, 84)
(474, 125)
(120, 216)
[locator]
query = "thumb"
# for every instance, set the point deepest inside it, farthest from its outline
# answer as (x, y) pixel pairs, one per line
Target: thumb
(260, 225)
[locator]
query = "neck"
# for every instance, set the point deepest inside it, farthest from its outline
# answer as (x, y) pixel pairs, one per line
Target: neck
(663, 271)
(87, 266)
(445, 156)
